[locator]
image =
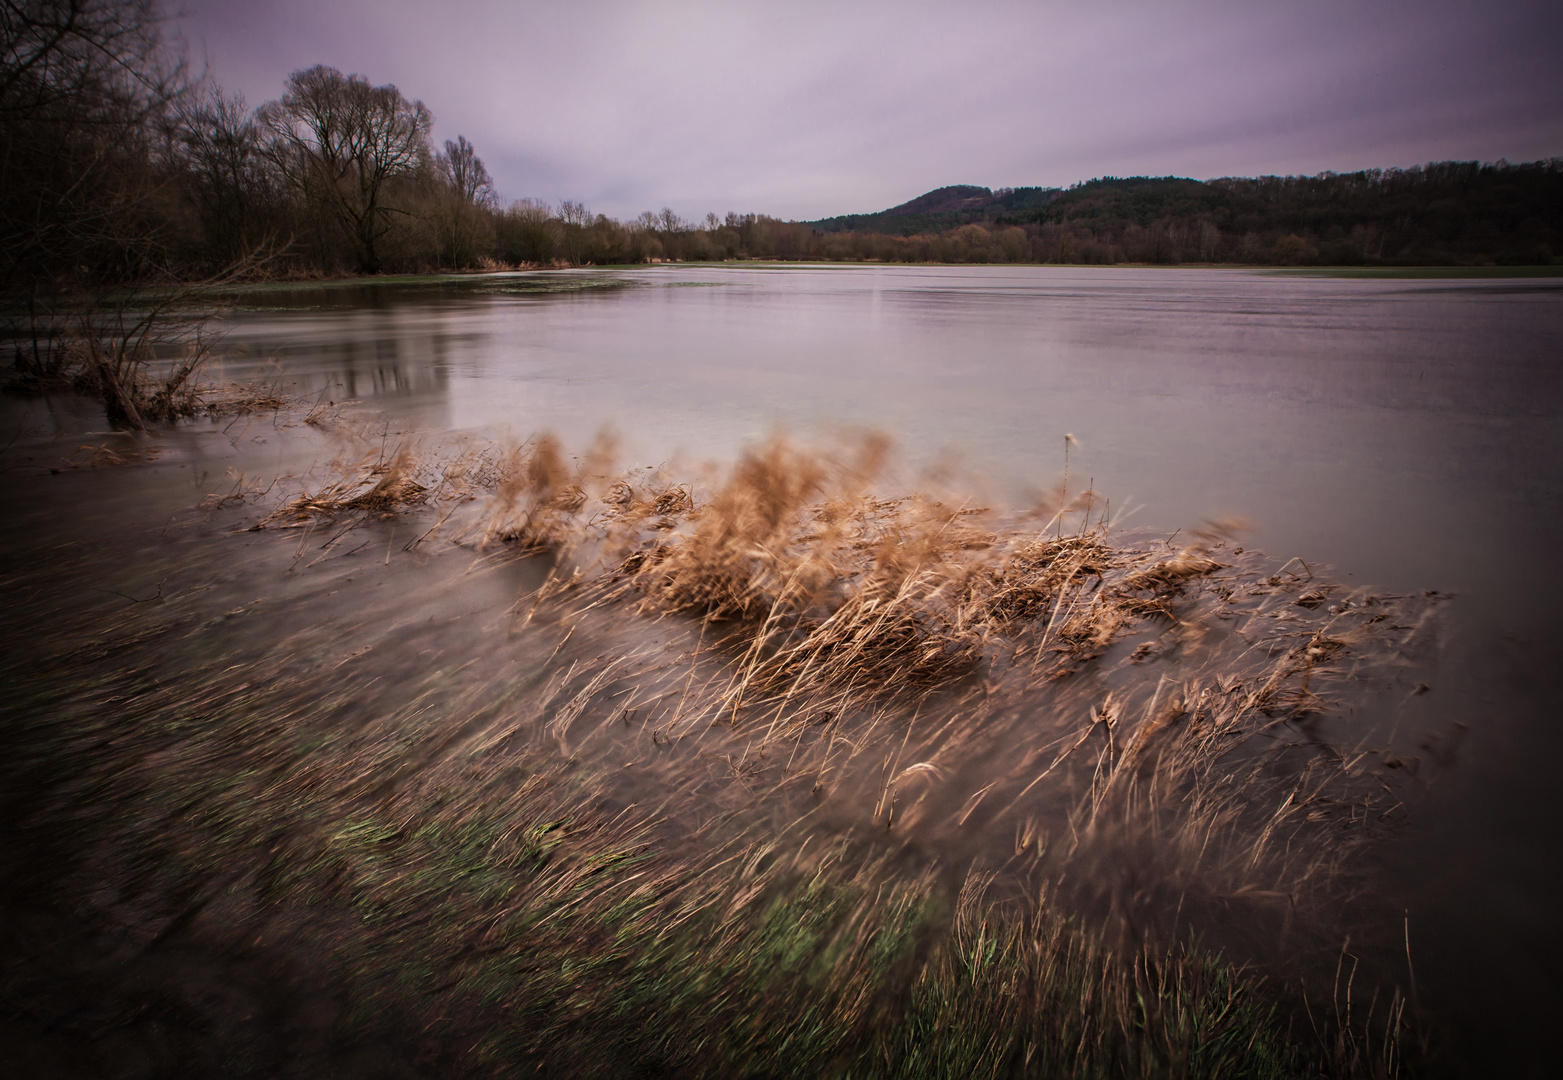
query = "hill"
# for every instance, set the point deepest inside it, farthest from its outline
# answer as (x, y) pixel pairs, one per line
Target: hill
(941, 209)
(1454, 212)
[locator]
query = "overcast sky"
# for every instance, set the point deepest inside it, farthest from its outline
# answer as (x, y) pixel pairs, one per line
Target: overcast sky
(803, 109)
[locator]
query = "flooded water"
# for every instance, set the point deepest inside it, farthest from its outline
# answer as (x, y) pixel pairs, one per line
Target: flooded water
(1398, 429)
(1407, 432)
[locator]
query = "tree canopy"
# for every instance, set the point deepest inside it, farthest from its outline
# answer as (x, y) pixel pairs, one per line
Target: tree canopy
(341, 141)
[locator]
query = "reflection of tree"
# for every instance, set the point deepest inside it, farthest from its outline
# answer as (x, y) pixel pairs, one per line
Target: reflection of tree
(386, 351)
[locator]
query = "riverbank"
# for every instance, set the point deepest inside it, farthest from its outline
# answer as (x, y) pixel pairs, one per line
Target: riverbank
(1437, 272)
(457, 277)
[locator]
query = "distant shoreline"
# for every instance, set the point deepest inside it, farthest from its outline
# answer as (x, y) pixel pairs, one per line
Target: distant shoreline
(1420, 271)
(450, 276)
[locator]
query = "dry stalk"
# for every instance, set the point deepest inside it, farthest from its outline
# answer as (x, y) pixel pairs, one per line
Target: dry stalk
(1151, 703)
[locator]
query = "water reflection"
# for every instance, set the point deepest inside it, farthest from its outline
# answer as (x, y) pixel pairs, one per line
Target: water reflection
(1380, 425)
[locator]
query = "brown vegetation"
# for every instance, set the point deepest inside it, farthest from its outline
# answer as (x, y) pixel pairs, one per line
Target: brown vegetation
(764, 765)
(1160, 700)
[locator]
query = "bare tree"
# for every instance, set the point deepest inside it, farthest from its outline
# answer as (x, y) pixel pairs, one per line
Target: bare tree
(92, 169)
(222, 150)
(574, 213)
(669, 223)
(139, 350)
(528, 232)
(342, 142)
(463, 200)
(463, 170)
(84, 87)
(86, 92)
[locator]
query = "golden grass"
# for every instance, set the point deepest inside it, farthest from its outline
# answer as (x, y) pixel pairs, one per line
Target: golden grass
(882, 749)
(103, 456)
(945, 669)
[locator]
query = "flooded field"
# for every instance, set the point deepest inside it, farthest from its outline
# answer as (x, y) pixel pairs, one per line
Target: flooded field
(1174, 603)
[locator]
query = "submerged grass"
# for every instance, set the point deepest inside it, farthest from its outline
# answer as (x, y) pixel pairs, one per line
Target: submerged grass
(900, 788)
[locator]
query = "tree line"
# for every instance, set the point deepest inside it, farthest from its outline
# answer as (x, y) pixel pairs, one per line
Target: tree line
(117, 165)
(1444, 213)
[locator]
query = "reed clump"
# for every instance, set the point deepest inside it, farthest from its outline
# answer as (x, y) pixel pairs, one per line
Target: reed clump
(826, 589)
(815, 585)
(374, 484)
(820, 583)
(1143, 732)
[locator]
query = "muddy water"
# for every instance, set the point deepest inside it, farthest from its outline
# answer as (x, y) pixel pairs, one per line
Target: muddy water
(1408, 432)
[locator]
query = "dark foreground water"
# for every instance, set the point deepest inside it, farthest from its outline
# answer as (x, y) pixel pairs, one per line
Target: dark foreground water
(1408, 432)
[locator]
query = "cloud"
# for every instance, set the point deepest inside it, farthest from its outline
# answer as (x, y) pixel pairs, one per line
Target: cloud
(807, 109)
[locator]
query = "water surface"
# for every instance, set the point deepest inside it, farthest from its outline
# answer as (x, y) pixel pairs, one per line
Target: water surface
(1403, 430)
(1409, 432)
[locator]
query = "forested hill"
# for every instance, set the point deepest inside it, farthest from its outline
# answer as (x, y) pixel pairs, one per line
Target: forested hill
(1450, 212)
(944, 208)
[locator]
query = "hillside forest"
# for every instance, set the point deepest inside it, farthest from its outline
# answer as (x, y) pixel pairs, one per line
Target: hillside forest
(118, 165)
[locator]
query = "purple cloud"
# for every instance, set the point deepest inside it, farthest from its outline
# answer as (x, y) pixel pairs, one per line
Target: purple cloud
(805, 109)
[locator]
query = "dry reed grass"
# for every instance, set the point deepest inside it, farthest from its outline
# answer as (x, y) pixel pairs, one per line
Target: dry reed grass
(894, 697)
(103, 456)
(239, 400)
(427, 846)
(1162, 705)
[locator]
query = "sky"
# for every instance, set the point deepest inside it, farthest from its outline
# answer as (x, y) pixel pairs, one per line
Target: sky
(803, 109)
